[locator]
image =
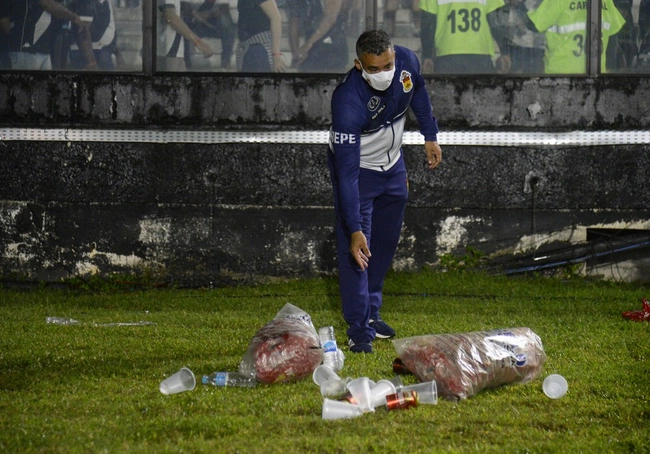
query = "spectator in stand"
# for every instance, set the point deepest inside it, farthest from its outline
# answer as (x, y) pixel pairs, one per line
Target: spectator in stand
(623, 48)
(98, 15)
(351, 11)
(565, 28)
(260, 31)
(5, 25)
(210, 20)
(643, 60)
(524, 46)
(325, 47)
(459, 36)
(172, 30)
(32, 33)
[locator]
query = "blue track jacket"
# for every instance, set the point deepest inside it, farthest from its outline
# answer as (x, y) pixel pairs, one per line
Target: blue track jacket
(367, 126)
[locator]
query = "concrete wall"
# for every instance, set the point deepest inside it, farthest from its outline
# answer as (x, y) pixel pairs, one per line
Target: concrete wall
(222, 213)
(299, 102)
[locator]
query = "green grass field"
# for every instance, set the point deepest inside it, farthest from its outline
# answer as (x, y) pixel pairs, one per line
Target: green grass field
(93, 388)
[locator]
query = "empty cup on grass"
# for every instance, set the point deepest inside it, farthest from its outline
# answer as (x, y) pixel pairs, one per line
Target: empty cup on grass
(555, 386)
(183, 380)
(427, 391)
(335, 409)
(324, 373)
(380, 391)
(360, 390)
(335, 388)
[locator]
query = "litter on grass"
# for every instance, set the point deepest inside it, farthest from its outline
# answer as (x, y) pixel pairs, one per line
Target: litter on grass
(72, 321)
(285, 349)
(639, 316)
(464, 364)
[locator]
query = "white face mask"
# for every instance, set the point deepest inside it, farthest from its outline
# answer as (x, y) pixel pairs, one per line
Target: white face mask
(381, 80)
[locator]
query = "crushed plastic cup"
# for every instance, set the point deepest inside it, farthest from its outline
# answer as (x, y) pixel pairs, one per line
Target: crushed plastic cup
(324, 373)
(555, 386)
(427, 391)
(183, 380)
(335, 388)
(360, 390)
(335, 409)
(379, 392)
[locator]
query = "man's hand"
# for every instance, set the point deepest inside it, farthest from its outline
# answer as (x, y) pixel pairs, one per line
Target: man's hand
(359, 249)
(503, 64)
(434, 154)
(203, 47)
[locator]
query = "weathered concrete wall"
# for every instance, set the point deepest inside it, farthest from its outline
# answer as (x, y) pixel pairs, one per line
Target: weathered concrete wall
(297, 102)
(200, 214)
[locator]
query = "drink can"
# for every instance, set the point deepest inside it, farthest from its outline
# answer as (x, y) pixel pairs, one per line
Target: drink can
(399, 368)
(348, 396)
(402, 400)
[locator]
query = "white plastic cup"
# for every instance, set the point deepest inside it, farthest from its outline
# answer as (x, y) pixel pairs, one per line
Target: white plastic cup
(380, 391)
(427, 392)
(334, 409)
(555, 386)
(335, 387)
(183, 380)
(324, 373)
(360, 390)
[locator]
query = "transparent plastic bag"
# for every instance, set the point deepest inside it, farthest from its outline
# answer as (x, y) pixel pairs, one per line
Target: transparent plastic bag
(285, 349)
(464, 364)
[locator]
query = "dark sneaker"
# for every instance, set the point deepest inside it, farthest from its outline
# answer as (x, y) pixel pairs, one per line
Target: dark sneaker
(359, 348)
(382, 330)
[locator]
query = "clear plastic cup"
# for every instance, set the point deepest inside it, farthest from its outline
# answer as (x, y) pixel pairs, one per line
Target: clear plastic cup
(324, 373)
(334, 409)
(183, 380)
(360, 390)
(335, 388)
(555, 386)
(380, 391)
(427, 391)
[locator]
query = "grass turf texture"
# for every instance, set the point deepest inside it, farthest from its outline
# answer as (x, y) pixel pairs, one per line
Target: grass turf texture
(90, 388)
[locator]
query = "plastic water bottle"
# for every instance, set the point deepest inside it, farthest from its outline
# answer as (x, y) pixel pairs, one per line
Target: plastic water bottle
(328, 342)
(229, 379)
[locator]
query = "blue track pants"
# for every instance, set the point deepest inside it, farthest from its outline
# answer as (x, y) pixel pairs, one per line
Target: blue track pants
(382, 197)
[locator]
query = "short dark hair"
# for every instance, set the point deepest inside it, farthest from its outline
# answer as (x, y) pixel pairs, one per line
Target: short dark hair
(373, 42)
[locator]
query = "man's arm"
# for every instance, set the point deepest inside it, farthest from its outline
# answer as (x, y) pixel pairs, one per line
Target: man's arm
(83, 39)
(271, 10)
(59, 11)
(175, 22)
(504, 63)
(421, 106)
(332, 9)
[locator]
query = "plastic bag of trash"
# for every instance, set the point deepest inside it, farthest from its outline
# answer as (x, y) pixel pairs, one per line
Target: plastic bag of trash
(639, 316)
(285, 349)
(464, 364)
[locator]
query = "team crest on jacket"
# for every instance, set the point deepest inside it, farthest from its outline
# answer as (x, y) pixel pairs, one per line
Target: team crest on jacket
(373, 103)
(405, 79)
